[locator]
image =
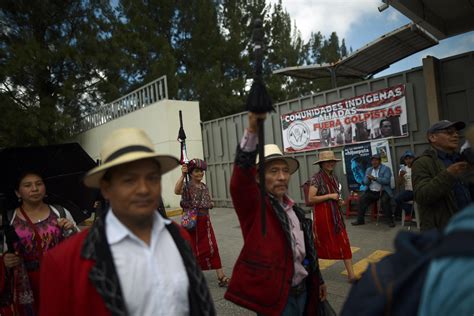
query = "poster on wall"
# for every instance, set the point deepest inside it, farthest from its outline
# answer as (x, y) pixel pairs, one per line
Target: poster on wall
(357, 160)
(377, 115)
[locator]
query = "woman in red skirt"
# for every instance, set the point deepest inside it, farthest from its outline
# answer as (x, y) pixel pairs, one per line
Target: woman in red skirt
(329, 229)
(196, 198)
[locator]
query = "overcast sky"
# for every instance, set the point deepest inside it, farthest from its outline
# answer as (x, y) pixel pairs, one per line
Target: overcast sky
(359, 22)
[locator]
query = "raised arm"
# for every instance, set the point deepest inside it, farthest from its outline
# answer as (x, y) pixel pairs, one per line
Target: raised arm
(243, 185)
(178, 188)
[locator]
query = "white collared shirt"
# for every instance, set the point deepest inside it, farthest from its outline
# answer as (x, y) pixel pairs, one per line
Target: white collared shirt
(374, 185)
(152, 277)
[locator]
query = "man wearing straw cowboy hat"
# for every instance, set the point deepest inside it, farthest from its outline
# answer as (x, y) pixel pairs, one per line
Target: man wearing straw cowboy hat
(132, 261)
(276, 273)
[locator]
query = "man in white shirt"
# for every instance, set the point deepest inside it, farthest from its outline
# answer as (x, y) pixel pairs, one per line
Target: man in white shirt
(406, 187)
(132, 261)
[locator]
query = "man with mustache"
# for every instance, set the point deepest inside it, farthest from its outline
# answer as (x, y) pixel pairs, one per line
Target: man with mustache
(438, 187)
(275, 274)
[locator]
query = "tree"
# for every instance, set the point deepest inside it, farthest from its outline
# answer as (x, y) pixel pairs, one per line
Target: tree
(343, 48)
(143, 37)
(50, 52)
(331, 52)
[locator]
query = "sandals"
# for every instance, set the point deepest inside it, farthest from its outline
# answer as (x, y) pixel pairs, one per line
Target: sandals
(223, 281)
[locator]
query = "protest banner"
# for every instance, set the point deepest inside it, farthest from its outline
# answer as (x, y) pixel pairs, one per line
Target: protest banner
(377, 115)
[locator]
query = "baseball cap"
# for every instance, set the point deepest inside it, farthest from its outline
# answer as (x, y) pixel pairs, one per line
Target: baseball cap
(376, 156)
(408, 153)
(445, 124)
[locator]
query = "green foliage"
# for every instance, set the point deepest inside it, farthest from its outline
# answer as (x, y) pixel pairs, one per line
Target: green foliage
(59, 59)
(49, 56)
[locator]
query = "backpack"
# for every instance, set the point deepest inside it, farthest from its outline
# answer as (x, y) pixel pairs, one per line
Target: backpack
(305, 187)
(394, 285)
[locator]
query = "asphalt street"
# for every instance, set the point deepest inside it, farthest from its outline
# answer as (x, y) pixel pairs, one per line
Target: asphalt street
(368, 241)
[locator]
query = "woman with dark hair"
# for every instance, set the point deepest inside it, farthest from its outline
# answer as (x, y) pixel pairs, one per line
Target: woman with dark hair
(195, 196)
(329, 229)
(39, 227)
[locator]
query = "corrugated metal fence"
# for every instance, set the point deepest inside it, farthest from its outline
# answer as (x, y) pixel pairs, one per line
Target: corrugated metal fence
(221, 136)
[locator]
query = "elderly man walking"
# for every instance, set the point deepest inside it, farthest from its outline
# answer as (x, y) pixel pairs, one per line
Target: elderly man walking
(438, 187)
(132, 261)
(275, 274)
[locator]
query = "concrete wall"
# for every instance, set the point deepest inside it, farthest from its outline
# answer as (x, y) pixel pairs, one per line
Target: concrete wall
(451, 79)
(161, 122)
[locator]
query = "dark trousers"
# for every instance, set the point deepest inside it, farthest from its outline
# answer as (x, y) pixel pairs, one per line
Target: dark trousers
(402, 198)
(369, 197)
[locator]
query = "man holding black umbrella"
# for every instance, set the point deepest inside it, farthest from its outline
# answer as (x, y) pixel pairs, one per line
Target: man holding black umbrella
(277, 272)
(132, 261)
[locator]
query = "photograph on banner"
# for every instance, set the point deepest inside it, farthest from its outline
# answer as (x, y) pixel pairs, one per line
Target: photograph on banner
(380, 114)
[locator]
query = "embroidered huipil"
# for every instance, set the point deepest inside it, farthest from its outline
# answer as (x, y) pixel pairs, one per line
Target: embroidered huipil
(50, 236)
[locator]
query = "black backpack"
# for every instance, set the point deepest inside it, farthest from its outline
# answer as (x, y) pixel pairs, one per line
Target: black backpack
(394, 285)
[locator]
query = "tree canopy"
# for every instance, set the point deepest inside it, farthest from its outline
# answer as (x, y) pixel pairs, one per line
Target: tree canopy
(59, 60)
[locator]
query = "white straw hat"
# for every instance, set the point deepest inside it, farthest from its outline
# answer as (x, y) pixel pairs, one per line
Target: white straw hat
(327, 155)
(273, 152)
(123, 146)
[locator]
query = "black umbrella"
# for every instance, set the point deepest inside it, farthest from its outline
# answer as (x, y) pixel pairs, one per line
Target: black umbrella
(62, 168)
(259, 101)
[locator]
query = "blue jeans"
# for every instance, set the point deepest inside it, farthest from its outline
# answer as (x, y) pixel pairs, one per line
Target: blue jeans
(402, 198)
(295, 305)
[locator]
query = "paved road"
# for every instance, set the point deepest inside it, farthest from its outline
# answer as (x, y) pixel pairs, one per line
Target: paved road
(371, 239)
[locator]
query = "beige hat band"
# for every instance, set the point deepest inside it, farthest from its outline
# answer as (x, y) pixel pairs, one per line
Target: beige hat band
(127, 150)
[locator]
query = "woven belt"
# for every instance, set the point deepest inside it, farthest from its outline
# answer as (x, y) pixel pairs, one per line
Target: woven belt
(299, 289)
(202, 212)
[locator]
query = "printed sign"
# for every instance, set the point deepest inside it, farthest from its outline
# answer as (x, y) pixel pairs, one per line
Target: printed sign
(376, 115)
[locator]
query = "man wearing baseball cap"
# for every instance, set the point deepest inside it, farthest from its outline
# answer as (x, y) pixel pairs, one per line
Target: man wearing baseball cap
(132, 261)
(275, 274)
(439, 190)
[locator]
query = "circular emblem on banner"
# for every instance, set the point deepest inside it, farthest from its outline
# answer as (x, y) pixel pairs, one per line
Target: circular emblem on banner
(298, 135)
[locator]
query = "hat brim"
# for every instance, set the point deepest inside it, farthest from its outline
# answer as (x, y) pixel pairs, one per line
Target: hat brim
(459, 125)
(93, 177)
(293, 164)
(323, 160)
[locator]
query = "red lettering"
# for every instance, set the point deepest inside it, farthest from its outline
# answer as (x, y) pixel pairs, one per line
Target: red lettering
(398, 110)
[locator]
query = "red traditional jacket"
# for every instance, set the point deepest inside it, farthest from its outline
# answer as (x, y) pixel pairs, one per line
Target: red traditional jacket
(79, 278)
(263, 273)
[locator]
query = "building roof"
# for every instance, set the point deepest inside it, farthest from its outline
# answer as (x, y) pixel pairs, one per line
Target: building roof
(371, 58)
(441, 18)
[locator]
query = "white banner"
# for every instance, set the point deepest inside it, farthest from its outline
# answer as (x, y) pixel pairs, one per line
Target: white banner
(377, 115)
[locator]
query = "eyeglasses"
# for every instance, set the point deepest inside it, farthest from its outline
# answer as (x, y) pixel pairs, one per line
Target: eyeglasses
(449, 132)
